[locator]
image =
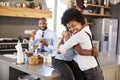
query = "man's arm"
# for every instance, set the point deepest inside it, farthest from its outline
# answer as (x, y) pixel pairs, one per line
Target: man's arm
(33, 33)
(92, 52)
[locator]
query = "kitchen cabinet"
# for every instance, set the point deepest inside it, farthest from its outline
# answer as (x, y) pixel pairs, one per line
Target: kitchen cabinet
(96, 11)
(118, 73)
(24, 12)
(4, 71)
(98, 14)
(9, 70)
(111, 73)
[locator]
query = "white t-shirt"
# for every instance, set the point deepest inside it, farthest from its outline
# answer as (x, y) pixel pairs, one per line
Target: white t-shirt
(84, 62)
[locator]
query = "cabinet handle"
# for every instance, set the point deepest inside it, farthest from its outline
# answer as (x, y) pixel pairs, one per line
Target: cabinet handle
(115, 75)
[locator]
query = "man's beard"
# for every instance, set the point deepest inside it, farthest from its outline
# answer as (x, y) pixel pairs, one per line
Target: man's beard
(44, 28)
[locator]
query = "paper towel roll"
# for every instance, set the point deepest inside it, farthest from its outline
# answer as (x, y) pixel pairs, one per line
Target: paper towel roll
(20, 56)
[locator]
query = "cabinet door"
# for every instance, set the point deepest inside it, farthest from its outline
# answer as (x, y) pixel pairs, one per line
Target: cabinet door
(105, 73)
(119, 73)
(110, 73)
(4, 71)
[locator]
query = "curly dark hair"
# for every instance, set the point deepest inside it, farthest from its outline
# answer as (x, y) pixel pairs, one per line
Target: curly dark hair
(72, 14)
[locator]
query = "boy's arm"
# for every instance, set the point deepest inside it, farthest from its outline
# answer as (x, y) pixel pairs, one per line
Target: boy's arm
(60, 43)
(92, 52)
(65, 36)
(72, 41)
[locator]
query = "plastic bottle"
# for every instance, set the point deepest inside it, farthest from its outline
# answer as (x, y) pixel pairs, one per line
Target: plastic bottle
(31, 45)
(20, 55)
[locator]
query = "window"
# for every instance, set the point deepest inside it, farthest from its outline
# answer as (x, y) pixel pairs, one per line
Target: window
(57, 12)
(49, 4)
(61, 7)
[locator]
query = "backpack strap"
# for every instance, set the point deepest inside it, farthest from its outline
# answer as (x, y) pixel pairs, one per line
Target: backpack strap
(92, 47)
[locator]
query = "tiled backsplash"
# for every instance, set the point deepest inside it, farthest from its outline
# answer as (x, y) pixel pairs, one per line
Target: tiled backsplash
(14, 27)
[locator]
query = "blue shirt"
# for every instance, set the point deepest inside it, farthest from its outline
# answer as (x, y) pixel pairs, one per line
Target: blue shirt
(50, 37)
(68, 56)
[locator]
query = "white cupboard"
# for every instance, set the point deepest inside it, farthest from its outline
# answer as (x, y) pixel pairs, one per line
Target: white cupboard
(111, 73)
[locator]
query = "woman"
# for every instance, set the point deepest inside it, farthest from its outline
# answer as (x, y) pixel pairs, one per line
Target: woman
(74, 21)
(64, 62)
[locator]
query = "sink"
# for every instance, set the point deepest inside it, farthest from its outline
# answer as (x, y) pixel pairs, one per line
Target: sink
(12, 56)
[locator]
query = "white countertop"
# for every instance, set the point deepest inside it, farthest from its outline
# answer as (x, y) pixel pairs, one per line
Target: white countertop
(46, 72)
(43, 71)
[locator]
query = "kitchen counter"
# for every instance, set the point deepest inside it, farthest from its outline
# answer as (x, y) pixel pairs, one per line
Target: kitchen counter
(110, 65)
(46, 72)
(43, 71)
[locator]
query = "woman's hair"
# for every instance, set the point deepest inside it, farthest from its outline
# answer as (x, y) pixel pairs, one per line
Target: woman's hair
(72, 14)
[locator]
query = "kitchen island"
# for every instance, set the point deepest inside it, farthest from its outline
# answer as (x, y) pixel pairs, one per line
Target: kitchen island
(9, 70)
(110, 65)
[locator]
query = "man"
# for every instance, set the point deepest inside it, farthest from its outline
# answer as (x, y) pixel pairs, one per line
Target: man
(45, 38)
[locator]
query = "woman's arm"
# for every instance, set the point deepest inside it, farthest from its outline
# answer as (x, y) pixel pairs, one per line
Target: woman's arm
(92, 52)
(66, 36)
